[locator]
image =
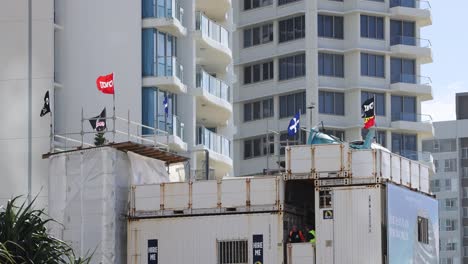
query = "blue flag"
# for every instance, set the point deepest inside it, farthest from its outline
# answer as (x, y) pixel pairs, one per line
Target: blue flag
(294, 126)
(166, 105)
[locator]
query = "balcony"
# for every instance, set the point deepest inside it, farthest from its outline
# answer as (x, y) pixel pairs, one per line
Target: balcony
(412, 47)
(212, 40)
(163, 18)
(219, 149)
(213, 99)
(410, 84)
(412, 122)
(170, 132)
(216, 9)
(167, 74)
(418, 10)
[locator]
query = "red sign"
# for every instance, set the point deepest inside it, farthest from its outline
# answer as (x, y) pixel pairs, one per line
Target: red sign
(105, 83)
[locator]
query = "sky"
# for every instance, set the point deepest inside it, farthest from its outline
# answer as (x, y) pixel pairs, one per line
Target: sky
(448, 72)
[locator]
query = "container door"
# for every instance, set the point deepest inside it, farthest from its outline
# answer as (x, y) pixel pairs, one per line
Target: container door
(324, 220)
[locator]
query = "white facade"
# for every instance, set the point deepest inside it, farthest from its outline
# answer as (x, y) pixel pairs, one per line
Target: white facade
(450, 151)
(98, 38)
(15, 109)
(350, 84)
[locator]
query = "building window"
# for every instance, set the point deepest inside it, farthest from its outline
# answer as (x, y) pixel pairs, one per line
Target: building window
(153, 114)
(465, 172)
(380, 136)
(450, 204)
(464, 153)
(405, 145)
(372, 65)
(403, 70)
(258, 72)
(331, 64)
(340, 134)
(298, 139)
(436, 166)
(331, 103)
(292, 67)
(372, 27)
(448, 185)
(325, 199)
(258, 35)
(233, 251)
(251, 4)
(450, 165)
(159, 53)
(292, 28)
(379, 102)
(450, 225)
(160, 8)
(259, 146)
(465, 192)
(284, 2)
(258, 109)
(402, 32)
(465, 212)
(435, 186)
(423, 230)
(291, 104)
(404, 108)
(439, 145)
(405, 3)
(330, 26)
(450, 246)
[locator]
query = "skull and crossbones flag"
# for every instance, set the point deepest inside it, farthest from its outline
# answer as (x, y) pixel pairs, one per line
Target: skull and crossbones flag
(46, 108)
(368, 113)
(99, 122)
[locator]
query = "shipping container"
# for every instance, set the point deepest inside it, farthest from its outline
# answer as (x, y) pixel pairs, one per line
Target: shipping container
(379, 223)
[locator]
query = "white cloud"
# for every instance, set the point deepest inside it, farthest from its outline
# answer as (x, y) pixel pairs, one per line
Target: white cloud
(443, 106)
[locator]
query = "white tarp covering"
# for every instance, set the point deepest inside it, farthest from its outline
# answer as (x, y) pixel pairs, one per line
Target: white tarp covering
(147, 170)
(88, 195)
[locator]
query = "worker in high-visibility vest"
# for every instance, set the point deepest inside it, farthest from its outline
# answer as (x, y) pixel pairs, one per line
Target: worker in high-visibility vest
(310, 235)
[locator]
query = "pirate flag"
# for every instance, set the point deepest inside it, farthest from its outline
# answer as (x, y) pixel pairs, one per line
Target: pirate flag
(369, 113)
(99, 122)
(46, 107)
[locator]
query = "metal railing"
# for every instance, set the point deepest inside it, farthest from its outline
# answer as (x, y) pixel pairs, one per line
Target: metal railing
(425, 157)
(419, 4)
(410, 78)
(213, 141)
(166, 66)
(170, 124)
(163, 11)
(412, 117)
(212, 30)
(213, 85)
(410, 41)
(69, 141)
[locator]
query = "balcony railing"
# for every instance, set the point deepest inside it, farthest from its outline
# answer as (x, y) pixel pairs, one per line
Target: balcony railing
(410, 41)
(421, 156)
(411, 117)
(411, 78)
(151, 9)
(165, 66)
(420, 4)
(212, 30)
(213, 85)
(213, 141)
(170, 124)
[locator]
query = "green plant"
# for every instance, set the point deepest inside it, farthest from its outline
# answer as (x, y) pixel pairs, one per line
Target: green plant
(99, 139)
(24, 237)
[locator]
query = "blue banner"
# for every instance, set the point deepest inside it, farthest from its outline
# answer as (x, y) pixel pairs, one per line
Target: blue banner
(257, 249)
(413, 227)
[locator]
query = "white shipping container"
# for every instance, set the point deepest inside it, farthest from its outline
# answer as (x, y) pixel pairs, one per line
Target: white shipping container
(373, 224)
(206, 239)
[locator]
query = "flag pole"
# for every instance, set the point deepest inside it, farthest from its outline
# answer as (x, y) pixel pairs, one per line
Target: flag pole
(51, 146)
(113, 116)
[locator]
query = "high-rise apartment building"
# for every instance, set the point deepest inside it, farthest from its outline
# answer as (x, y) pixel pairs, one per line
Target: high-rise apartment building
(450, 183)
(179, 50)
(292, 55)
(174, 51)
